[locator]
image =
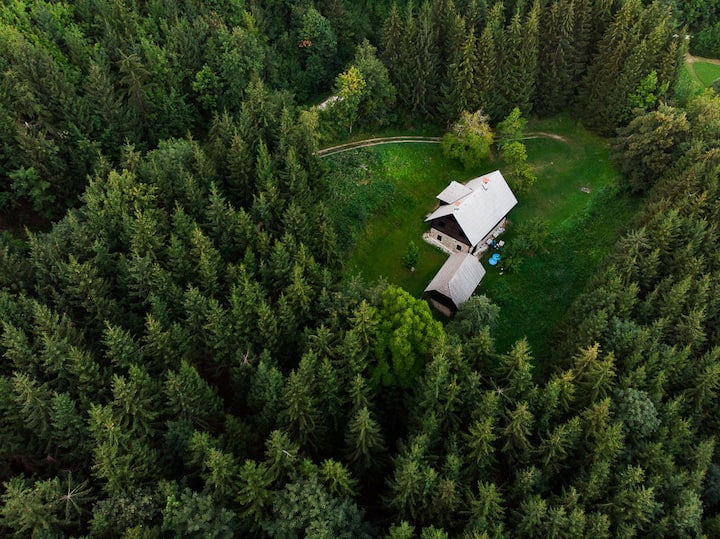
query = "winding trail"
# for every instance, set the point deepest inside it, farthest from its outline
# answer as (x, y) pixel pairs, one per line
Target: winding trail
(325, 152)
(340, 148)
(692, 59)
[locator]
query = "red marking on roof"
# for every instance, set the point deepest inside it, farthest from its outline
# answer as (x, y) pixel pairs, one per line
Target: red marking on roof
(457, 202)
(486, 179)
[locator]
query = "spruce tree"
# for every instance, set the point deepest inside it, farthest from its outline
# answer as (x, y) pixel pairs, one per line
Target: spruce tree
(557, 53)
(364, 444)
(491, 50)
(426, 64)
(460, 91)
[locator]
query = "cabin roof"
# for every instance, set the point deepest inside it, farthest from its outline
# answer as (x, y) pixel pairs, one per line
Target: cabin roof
(453, 192)
(458, 278)
(480, 204)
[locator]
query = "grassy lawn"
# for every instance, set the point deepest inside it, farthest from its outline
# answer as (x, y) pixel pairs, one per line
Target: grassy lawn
(376, 230)
(582, 228)
(386, 191)
(535, 298)
(705, 72)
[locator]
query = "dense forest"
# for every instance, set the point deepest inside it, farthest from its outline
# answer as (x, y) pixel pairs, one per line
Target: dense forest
(183, 357)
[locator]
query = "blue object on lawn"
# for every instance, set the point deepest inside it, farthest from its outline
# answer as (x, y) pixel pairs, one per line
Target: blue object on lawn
(493, 261)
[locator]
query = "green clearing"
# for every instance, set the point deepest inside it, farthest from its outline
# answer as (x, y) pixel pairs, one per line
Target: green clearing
(533, 299)
(706, 72)
(380, 197)
(582, 228)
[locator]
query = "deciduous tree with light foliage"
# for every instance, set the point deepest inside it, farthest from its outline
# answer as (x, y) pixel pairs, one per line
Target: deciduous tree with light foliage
(469, 139)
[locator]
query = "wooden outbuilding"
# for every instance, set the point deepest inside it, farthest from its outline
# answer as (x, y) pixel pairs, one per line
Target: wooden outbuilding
(454, 283)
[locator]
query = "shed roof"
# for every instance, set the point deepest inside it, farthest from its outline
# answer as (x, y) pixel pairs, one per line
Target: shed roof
(458, 278)
(453, 192)
(488, 200)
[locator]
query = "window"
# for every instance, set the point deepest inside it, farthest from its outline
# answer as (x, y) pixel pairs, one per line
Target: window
(439, 237)
(458, 247)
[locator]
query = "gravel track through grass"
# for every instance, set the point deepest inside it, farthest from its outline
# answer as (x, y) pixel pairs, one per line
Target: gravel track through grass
(332, 150)
(325, 152)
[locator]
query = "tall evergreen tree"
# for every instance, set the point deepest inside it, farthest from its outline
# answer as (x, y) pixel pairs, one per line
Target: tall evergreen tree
(557, 53)
(426, 64)
(460, 89)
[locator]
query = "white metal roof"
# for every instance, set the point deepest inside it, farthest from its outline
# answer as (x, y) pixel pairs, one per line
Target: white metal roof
(452, 192)
(458, 278)
(478, 211)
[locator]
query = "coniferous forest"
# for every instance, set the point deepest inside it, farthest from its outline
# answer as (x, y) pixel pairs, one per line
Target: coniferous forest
(182, 355)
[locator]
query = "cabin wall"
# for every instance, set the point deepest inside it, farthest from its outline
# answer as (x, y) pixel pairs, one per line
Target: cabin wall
(447, 232)
(441, 303)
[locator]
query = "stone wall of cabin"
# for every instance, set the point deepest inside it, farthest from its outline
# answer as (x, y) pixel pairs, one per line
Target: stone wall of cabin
(453, 245)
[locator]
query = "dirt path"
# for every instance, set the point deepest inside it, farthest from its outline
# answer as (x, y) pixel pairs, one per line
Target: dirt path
(692, 59)
(326, 152)
(543, 134)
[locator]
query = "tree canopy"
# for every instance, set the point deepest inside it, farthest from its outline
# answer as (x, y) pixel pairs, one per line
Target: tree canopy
(182, 353)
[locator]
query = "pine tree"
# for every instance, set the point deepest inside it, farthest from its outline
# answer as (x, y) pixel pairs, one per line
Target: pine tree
(515, 370)
(33, 400)
(486, 510)
(426, 65)
(413, 480)
(533, 513)
(490, 47)
(31, 508)
(556, 447)
(460, 92)
(517, 431)
(266, 336)
(281, 456)
(120, 458)
(240, 178)
(555, 398)
(511, 68)
(404, 65)
(337, 479)
(595, 375)
(401, 531)
(479, 441)
(218, 469)
(190, 398)
(18, 349)
(254, 494)
(556, 56)
(634, 503)
(364, 442)
(531, 30)
(69, 431)
(301, 414)
(649, 144)
(135, 401)
(392, 36)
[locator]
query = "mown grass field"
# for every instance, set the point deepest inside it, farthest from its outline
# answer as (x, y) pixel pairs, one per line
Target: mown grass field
(380, 198)
(582, 226)
(706, 72)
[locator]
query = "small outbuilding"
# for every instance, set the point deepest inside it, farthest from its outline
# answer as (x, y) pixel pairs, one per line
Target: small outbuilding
(454, 283)
(469, 213)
